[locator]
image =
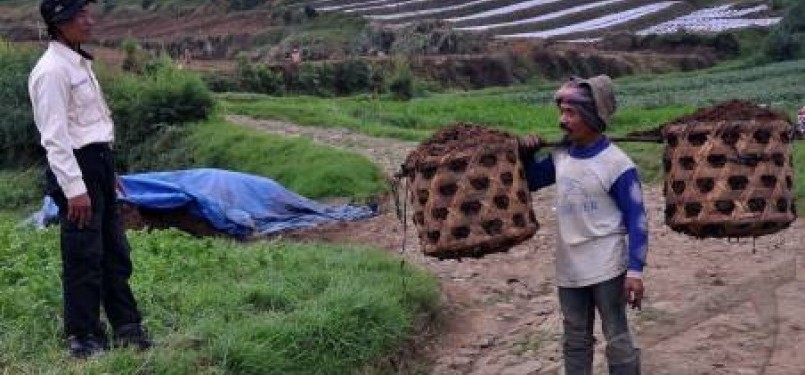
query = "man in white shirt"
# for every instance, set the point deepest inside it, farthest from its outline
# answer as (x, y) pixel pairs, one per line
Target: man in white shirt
(77, 131)
(602, 228)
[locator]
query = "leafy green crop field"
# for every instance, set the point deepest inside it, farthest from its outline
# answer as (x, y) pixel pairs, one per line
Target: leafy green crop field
(645, 103)
(220, 307)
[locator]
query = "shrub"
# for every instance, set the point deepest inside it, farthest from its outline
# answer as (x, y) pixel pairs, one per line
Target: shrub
(317, 79)
(402, 85)
(781, 44)
(244, 4)
(145, 106)
(259, 78)
(354, 76)
(787, 39)
(19, 139)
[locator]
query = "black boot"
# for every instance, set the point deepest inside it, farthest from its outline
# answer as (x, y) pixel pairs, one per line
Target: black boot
(132, 335)
(86, 346)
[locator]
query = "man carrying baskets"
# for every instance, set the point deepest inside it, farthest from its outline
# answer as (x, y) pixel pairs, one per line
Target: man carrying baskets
(602, 228)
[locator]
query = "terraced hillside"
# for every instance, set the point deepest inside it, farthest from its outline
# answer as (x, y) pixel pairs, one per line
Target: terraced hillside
(563, 19)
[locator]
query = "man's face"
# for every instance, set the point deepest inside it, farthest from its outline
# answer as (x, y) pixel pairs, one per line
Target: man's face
(576, 130)
(79, 29)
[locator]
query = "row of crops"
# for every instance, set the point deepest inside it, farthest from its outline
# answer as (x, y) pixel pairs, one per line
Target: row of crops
(561, 19)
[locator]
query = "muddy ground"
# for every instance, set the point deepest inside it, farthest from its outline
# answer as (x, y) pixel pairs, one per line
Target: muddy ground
(712, 306)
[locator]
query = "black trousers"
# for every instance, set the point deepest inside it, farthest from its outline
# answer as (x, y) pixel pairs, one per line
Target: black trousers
(96, 265)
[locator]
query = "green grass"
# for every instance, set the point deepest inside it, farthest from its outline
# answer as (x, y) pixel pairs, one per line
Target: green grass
(219, 307)
(21, 190)
(645, 102)
(417, 119)
(312, 170)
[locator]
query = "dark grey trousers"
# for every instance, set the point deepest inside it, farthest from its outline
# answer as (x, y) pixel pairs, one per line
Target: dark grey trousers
(578, 310)
(96, 265)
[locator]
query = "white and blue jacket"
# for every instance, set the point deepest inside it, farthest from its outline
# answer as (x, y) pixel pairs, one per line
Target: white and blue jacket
(602, 225)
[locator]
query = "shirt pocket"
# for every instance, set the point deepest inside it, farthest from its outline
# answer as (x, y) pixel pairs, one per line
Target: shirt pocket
(87, 111)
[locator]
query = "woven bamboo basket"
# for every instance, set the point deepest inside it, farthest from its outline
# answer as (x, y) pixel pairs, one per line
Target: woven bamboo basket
(729, 178)
(469, 193)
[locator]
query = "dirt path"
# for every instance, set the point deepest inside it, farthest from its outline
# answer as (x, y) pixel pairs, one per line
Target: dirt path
(713, 306)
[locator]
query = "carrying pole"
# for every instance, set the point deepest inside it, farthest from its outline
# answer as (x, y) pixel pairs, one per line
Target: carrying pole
(633, 139)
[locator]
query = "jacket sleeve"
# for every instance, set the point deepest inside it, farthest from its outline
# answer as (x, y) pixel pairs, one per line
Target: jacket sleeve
(628, 196)
(50, 96)
(539, 173)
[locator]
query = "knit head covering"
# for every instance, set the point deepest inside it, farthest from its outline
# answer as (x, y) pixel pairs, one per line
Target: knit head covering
(593, 99)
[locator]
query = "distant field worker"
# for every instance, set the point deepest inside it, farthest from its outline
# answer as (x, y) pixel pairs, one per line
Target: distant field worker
(77, 133)
(801, 122)
(296, 56)
(602, 227)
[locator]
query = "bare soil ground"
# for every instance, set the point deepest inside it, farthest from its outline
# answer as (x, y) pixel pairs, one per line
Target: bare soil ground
(712, 306)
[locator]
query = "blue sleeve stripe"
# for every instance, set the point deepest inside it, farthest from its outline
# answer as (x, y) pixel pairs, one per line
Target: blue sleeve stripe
(628, 196)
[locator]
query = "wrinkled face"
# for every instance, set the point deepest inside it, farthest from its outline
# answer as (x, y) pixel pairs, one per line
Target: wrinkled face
(576, 130)
(79, 29)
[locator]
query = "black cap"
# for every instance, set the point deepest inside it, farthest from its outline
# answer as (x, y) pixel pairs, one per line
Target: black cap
(57, 11)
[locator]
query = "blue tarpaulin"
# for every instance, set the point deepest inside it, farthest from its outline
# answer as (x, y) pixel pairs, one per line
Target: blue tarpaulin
(235, 203)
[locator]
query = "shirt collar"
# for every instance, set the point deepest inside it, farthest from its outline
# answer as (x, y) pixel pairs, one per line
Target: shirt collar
(581, 152)
(68, 53)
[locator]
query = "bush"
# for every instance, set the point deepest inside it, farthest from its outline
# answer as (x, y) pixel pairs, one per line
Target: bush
(244, 4)
(19, 139)
(402, 86)
(145, 106)
(259, 78)
(781, 44)
(787, 39)
(317, 79)
(354, 76)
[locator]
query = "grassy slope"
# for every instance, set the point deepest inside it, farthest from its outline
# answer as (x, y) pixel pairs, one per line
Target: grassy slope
(309, 169)
(218, 307)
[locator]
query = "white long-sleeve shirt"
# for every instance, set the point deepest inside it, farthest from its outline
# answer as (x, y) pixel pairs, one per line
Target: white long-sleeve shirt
(69, 110)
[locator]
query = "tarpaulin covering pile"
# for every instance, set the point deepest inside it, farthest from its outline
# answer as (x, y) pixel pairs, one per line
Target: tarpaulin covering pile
(234, 203)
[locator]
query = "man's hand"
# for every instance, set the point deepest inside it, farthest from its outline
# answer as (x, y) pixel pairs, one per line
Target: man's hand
(79, 210)
(634, 292)
(119, 186)
(529, 144)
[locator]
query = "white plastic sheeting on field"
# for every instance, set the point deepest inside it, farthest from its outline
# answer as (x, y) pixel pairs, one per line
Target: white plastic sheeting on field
(545, 17)
(598, 23)
(430, 11)
(715, 19)
(353, 5)
(387, 6)
(503, 10)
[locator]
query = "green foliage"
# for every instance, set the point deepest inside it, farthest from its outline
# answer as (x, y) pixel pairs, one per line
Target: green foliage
(320, 79)
(402, 85)
(354, 76)
(317, 79)
(781, 44)
(787, 39)
(135, 59)
(145, 106)
(21, 188)
(19, 144)
(244, 4)
(220, 307)
(259, 78)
